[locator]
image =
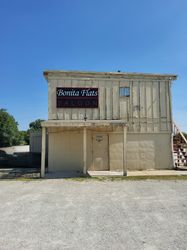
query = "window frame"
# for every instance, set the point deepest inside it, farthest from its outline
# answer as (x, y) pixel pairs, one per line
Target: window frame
(124, 91)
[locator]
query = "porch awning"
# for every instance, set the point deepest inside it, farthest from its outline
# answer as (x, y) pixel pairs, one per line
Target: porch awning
(81, 123)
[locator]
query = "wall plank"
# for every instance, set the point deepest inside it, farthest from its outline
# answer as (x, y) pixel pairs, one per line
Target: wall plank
(143, 111)
(146, 110)
(102, 101)
(115, 99)
(67, 111)
(89, 112)
(52, 114)
(109, 100)
(156, 106)
(75, 111)
(95, 115)
(162, 99)
(149, 106)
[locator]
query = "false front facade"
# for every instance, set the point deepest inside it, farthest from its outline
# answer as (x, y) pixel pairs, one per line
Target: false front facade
(99, 121)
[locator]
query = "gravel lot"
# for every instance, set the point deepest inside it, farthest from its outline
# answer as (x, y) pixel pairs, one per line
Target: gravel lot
(67, 214)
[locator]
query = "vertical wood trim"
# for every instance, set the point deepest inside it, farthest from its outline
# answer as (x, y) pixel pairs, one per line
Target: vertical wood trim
(131, 107)
(163, 99)
(84, 151)
(71, 111)
(152, 106)
(60, 111)
(118, 101)
(163, 108)
(159, 110)
(43, 152)
(124, 150)
(108, 101)
(66, 111)
(170, 108)
(81, 111)
(156, 106)
(139, 110)
(52, 109)
(145, 105)
(95, 114)
(102, 105)
(74, 111)
(115, 102)
(88, 111)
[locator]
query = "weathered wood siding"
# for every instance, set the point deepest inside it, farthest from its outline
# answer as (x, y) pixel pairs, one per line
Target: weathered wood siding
(146, 110)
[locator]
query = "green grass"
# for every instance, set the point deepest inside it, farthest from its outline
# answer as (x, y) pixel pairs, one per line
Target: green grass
(129, 178)
(104, 178)
(27, 179)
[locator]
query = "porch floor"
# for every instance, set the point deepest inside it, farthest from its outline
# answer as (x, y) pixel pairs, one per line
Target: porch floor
(105, 173)
(139, 173)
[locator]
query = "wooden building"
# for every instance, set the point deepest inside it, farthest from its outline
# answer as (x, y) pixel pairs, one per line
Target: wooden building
(110, 121)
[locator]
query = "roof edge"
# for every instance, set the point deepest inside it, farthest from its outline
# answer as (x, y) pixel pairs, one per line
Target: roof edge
(92, 74)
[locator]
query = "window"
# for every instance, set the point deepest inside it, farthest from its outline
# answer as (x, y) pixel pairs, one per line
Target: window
(124, 91)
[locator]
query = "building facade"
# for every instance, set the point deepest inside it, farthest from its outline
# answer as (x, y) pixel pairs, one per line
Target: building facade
(103, 121)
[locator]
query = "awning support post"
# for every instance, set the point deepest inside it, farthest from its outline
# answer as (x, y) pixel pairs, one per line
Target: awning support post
(124, 150)
(84, 150)
(43, 152)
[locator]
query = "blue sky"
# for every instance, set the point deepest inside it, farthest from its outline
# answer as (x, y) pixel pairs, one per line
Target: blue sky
(99, 35)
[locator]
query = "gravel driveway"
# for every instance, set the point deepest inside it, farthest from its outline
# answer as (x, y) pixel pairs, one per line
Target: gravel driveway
(67, 214)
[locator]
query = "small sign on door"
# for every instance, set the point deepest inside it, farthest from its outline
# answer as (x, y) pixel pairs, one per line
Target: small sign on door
(99, 138)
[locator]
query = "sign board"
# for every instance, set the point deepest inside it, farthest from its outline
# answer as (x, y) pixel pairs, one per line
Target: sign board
(76, 97)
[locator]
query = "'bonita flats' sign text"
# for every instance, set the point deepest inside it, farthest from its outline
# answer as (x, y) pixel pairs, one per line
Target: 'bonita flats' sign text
(77, 97)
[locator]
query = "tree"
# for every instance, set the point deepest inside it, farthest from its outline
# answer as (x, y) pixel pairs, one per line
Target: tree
(185, 134)
(35, 125)
(24, 137)
(9, 134)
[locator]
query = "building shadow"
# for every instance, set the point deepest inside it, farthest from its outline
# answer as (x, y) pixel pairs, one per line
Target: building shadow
(65, 175)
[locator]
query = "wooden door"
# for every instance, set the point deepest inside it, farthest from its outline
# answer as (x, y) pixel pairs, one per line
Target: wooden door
(100, 152)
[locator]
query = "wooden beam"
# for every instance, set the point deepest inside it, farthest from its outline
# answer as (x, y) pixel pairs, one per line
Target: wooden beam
(43, 152)
(84, 150)
(124, 150)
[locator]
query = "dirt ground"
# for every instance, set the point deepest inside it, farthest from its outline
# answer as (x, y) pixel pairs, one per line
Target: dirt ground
(91, 214)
